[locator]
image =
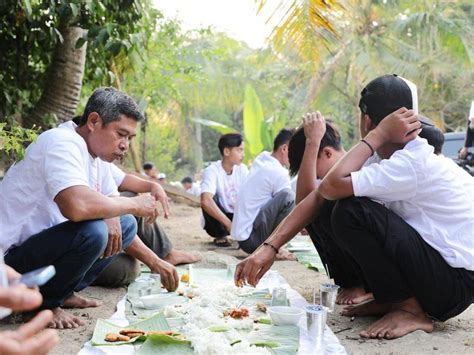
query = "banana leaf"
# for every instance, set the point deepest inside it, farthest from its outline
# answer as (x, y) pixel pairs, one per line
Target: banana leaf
(163, 344)
(282, 339)
(156, 323)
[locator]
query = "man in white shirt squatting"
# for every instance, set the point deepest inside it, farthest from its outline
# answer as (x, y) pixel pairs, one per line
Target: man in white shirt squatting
(265, 197)
(219, 187)
(403, 213)
(59, 205)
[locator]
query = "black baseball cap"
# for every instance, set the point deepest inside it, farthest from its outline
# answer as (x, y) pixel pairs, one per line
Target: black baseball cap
(387, 94)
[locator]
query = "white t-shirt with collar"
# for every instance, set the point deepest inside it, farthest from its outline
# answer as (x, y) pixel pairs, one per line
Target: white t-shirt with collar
(225, 186)
(267, 177)
(57, 160)
(430, 193)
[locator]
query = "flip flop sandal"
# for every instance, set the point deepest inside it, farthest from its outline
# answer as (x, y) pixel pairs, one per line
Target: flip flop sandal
(222, 242)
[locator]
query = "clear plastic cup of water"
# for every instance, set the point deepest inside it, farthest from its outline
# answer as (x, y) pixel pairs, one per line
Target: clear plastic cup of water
(230, 272)
(328, 295)
(155, 282)
(279, 297)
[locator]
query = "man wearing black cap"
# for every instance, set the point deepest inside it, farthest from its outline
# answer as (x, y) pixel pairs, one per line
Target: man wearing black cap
(402, 213)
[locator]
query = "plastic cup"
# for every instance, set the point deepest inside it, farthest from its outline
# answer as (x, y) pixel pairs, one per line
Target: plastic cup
(230, 272)
(315, 322)
(279, 297)
(328, 295)
(155, 284)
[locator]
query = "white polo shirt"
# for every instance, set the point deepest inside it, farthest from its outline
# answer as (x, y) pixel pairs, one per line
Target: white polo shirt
(430, 193)
(57, 160)
(267, 177)
(225, 186)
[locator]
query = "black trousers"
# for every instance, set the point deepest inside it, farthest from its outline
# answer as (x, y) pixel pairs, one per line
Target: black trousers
(339, 264)
(212, 226)
(393, 260)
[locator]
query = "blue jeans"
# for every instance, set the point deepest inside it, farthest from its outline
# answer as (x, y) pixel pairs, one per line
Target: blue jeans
(74, 248)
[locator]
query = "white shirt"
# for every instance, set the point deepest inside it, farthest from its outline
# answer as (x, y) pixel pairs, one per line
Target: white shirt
(225, 186)
(430, 193)
(267, 177)
(195, 189)
(57, 160)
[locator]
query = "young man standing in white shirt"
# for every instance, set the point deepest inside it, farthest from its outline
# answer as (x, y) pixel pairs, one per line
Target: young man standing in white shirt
(265, 197)
(403, 214)
(59, 204)
(219, 188)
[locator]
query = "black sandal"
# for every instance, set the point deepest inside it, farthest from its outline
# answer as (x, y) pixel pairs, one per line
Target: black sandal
(222, 242)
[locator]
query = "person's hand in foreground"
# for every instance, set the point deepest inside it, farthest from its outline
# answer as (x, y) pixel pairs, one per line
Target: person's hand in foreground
(168, 273)
(252, 268)
(30, 338)
(159, 194)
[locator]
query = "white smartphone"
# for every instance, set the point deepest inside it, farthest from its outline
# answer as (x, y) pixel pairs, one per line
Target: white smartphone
(36, 277)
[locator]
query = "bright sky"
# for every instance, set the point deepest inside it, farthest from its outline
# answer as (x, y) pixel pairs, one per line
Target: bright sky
(237, 18)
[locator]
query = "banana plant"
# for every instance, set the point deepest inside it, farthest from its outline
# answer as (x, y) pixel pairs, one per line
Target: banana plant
(258, 131)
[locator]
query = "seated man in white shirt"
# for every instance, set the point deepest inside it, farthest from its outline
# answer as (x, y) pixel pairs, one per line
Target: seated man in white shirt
(59, 205)
(219, 187)
(191, 187)
(265, 197)
(404, 214)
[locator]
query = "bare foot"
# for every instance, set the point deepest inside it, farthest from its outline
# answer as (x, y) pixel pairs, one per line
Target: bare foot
(284, 254)
(76, 301)
(368, 309)
(404, 318)
(176, 257)
(64, 320)
(353, 295)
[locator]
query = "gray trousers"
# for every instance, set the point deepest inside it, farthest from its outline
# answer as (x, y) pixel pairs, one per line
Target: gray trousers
(268, 218)
(125, 268)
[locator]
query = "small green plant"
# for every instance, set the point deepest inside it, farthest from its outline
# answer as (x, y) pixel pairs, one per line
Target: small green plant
(14, 138)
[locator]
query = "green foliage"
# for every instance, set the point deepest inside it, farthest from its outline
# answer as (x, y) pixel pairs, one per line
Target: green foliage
(31, 30)
(14, 138)
(253, 121)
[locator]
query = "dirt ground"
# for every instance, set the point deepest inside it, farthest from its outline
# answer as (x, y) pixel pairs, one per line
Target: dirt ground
(455, 336)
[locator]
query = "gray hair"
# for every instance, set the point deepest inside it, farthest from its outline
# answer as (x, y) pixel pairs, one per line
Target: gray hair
(111, 104)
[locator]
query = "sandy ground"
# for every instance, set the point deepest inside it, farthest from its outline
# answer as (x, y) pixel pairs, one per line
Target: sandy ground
(455, 336)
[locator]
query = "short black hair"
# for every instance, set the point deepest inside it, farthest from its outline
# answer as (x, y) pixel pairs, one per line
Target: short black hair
(384, 95)
(297, 145)
(187, 180)
(148, 165)
(229, 140)
(434, 136)
(283, 137)
(111, 104)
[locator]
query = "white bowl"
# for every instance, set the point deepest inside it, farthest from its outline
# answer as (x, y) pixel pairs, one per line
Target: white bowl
(282, 315)
(151, 301)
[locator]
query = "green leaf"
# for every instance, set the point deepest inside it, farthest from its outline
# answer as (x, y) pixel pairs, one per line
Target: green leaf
(253, 118)
(80, 42)
(114, 47)
(219, 328)
(222, 128)
(27, 7)
(74, 9)
(103, 36)
(156, 323)
(164, 344)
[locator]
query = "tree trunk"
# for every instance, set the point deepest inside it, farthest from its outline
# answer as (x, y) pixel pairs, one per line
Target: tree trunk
(64, 82)
(321, 78)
